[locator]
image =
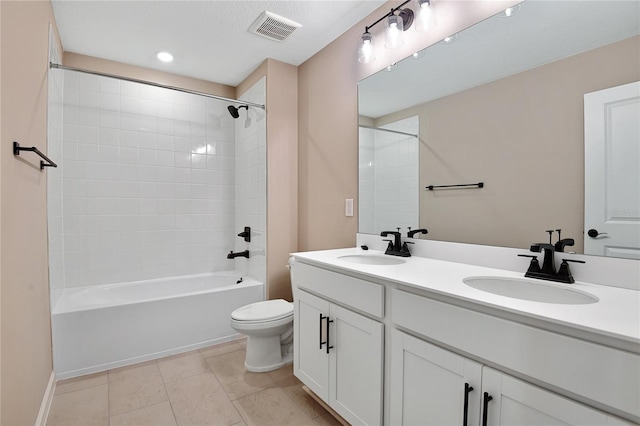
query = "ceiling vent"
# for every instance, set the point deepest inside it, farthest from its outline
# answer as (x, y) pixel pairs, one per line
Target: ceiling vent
(273, 27)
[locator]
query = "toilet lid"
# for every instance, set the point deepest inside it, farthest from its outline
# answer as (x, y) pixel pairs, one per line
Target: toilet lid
(268, 310)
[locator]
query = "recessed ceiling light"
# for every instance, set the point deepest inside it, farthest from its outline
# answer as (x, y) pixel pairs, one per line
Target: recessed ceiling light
(165, 56)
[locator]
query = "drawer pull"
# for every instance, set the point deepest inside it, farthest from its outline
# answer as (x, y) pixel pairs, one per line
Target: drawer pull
(485, 407)
(328, 328)
(320, 333)
(467, 389)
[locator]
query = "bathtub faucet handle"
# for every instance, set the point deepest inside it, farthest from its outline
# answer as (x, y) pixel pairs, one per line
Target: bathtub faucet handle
(246, 234)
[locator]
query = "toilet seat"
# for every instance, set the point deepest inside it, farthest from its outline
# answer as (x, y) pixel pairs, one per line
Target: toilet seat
(268, 310)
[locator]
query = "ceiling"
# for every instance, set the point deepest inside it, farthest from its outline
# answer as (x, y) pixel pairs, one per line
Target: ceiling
(541, 32)
(209, 39)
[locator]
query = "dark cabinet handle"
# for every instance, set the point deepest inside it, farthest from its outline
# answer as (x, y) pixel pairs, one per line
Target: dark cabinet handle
(467, 389)
(320, 333)
(485, 407)
(328, 328)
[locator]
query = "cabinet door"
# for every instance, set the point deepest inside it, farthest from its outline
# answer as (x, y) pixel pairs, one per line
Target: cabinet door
(356, 367)
(514, 402)
(429, 384)
(310, 359)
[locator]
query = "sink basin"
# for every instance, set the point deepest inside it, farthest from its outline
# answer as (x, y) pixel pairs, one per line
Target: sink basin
(371, 259)
(533, 290)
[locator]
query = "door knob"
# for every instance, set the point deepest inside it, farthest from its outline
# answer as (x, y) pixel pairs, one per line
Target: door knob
(593, 233)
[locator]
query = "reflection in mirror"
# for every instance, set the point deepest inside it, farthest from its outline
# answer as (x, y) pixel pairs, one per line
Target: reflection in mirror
(388, 176)
(504, 104)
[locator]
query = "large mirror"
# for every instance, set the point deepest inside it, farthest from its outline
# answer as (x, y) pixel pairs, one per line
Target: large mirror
(503, 103)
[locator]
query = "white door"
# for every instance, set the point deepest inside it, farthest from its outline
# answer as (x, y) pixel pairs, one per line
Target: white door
(612, 172)
(356, 366)
(514, 402)
(311, 361)
(432, 386)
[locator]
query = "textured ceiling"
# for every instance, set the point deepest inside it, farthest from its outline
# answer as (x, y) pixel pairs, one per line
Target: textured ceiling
(209, 39)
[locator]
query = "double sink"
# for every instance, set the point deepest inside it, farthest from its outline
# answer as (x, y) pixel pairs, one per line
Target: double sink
(516, 288)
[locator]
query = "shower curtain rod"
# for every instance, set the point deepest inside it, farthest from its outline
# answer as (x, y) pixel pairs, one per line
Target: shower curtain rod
(151, 83)
(388, 130)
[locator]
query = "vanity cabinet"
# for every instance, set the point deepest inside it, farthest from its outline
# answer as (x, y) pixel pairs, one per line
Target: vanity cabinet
(433, 386)
(338, 352)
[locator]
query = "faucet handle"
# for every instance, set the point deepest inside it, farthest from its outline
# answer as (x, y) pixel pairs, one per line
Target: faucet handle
(564, 274)
(534, 266)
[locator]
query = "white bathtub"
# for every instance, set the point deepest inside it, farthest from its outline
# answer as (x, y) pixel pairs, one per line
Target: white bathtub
(102, 327)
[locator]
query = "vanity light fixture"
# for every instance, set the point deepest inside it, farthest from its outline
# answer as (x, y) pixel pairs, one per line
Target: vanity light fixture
(165, 56)
(419, 54)
(425, 16)
(398, 20)
(365, 52)
(510, 11)
(451, 38)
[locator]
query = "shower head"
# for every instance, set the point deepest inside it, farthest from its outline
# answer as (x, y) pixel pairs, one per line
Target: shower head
(234, 111)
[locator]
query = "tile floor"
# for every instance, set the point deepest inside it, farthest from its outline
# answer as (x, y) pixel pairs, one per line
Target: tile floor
(204, 387)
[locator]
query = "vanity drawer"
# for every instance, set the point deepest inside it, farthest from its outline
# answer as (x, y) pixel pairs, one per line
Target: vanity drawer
(361, 295)
(545, 357)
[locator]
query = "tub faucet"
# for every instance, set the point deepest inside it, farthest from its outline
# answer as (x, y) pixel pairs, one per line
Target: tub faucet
(233, 255)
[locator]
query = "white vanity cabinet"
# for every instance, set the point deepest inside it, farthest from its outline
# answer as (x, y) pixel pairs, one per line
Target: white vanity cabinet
(433, 386)
(338, 352)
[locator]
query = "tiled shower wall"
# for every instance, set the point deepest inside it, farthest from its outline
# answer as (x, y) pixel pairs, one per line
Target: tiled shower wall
(251, 182)
(148, 182)
(388, 178)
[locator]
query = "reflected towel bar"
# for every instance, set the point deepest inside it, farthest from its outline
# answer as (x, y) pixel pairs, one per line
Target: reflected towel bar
(478, 185)
(17, 148)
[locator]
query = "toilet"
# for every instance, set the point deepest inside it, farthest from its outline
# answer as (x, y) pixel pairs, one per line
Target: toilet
(269, 329)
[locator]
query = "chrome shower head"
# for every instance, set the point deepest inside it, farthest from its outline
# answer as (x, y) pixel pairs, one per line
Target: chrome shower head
(234, 111)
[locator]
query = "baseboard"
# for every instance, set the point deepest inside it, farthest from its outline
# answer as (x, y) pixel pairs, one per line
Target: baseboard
(47, 398)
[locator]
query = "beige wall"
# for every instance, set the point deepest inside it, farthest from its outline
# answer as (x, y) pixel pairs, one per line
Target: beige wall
(328, 119)
(282, 170)
(523, 136)
(25, 334)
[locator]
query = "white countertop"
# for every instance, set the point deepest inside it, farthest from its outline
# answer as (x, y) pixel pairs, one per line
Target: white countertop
(615, 316)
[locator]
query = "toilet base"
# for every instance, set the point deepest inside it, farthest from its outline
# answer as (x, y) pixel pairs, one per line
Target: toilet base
(265, 354)
(286, 359)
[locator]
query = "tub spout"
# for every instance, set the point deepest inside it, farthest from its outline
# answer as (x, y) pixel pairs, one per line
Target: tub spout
(233, 255)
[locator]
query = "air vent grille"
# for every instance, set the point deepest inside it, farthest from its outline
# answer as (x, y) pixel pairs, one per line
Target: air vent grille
(273, 27)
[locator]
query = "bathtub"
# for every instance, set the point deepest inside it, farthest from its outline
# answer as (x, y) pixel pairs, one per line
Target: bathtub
(102, 327)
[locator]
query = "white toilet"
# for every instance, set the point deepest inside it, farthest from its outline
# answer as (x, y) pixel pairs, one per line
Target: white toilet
(269, 329)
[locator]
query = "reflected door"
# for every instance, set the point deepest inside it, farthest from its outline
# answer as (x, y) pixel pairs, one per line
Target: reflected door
(612, 178)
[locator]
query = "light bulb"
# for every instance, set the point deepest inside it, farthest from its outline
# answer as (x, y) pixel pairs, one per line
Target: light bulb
(510, 11)
(426, 17)
(365, 52)
(394, 32)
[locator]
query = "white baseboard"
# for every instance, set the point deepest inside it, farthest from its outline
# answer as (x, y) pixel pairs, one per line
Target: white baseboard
(45, 406)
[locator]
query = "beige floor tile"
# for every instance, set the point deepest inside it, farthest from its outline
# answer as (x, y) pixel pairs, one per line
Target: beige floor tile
(182, 365)
(242, 343)
(220, 349)
(85, 407)
(200, 400)
(154, 415)
(327, 420)
(282, 372)
(293, 388)
(82, 382)
(271, 407)
(237, 382)
(134, 387)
